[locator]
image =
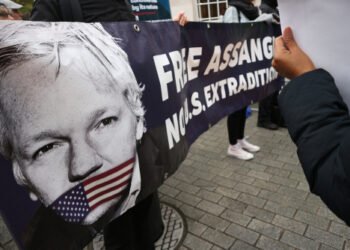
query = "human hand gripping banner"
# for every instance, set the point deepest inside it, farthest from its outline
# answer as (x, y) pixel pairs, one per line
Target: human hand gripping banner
(94, 117)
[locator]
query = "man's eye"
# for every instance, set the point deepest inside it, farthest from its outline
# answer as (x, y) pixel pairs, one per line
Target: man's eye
(44, 150)
(107, 121)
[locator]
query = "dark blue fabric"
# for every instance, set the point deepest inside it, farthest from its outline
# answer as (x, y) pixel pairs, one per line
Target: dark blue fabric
(318, 122)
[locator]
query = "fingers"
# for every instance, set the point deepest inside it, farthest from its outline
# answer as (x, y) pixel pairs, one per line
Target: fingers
(181, 18)
(177, 17)
(279, 53)
(279, 50)
(280, 46)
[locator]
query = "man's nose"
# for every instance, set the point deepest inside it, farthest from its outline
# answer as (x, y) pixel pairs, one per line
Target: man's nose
(84, 161)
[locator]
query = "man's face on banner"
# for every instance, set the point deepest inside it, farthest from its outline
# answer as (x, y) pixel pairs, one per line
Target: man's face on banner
(66, 130)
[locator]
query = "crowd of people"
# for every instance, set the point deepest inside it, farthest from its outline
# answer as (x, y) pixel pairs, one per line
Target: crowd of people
(323, 155)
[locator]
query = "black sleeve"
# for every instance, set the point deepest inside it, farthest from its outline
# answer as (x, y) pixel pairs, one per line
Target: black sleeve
(318, 122)
(46, 10)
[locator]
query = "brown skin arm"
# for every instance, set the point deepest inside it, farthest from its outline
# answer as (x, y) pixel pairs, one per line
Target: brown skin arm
(290, 60)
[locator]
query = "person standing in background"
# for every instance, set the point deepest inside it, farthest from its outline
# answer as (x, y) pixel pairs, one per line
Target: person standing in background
(240, 11)
(267, 105)
(81, 10)
(270, 7)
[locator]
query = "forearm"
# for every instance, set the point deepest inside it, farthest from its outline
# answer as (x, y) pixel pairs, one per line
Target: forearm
(319, 124)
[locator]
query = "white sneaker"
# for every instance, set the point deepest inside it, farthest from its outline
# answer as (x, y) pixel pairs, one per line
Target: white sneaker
(248, 146)
(237, 151)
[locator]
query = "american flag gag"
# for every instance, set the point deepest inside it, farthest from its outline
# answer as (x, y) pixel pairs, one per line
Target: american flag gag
(75, 204)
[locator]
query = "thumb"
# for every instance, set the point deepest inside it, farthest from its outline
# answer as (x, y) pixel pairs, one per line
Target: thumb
(288, 38)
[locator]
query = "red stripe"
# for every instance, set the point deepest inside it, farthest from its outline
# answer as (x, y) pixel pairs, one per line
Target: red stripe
(109, 172)
(144, 13)
(109, 182)
(108, 190)
(107, 199)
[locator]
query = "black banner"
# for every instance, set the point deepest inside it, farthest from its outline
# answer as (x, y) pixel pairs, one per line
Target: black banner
(82, 144)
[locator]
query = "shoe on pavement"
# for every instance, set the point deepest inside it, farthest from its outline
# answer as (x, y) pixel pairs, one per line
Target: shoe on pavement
(248, 146)
(268, 125)
(238, 152)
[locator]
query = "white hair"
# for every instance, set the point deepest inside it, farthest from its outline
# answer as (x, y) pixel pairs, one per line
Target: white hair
(21, 42)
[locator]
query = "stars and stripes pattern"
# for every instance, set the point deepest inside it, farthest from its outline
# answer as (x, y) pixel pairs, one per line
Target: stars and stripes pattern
(78, 202)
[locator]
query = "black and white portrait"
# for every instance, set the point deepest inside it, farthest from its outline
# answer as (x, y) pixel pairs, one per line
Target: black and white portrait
(70, 117)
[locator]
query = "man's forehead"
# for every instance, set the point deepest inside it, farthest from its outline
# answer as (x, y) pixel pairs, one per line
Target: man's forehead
(26, 77)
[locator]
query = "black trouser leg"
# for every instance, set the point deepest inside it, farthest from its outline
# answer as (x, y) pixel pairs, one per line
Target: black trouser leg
(236, 125)
(265, 109)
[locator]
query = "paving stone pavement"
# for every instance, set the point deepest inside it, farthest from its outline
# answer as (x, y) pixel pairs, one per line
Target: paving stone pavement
(264, 203)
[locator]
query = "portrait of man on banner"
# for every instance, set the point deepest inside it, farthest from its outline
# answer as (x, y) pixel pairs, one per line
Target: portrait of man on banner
(71, 115)
(73, 124)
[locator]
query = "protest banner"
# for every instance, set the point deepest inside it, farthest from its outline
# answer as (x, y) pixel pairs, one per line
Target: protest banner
(94, 117)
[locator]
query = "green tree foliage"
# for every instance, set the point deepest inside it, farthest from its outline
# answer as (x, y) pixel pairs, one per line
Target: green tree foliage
(27, 6)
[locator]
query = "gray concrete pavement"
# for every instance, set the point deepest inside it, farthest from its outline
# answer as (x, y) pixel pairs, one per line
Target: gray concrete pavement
(260, 204)
(264, 203)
